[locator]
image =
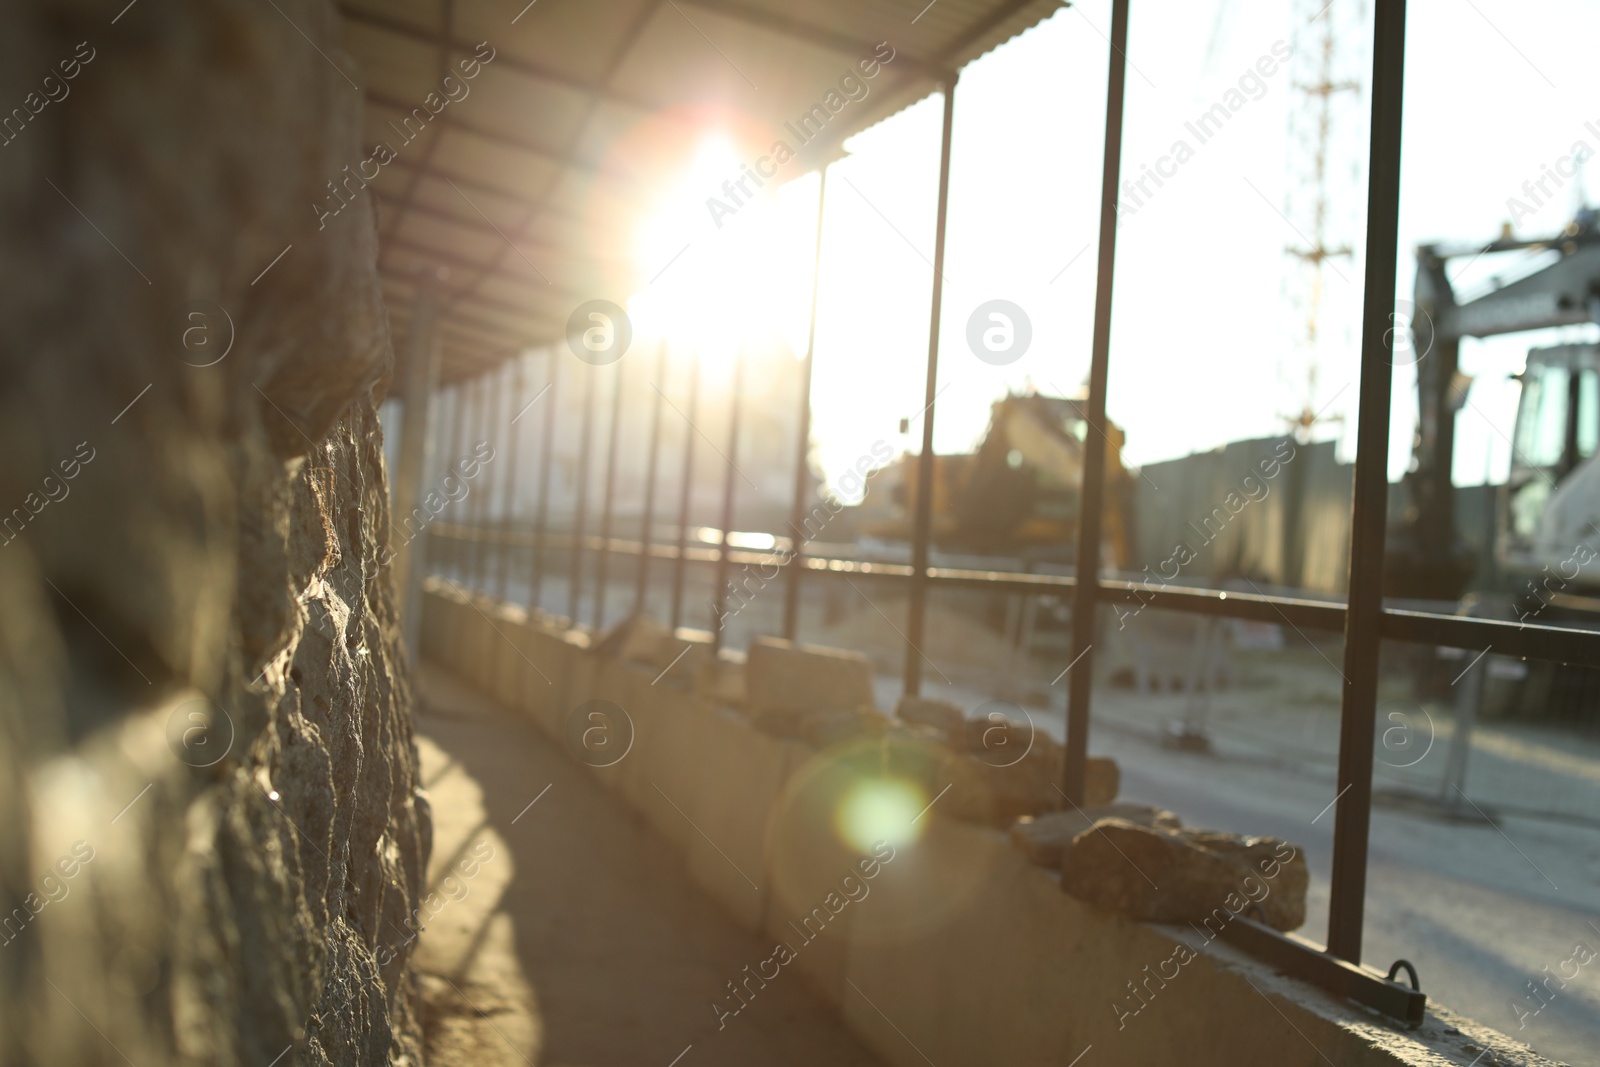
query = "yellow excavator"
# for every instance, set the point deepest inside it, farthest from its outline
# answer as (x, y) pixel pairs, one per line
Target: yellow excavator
(1017, 493)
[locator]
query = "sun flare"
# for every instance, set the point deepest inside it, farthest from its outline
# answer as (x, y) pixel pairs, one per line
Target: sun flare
(718, 284)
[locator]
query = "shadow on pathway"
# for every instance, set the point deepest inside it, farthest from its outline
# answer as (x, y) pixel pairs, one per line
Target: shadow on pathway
(624, 954)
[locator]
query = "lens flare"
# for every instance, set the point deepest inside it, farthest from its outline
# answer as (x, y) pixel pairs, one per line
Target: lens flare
(879, 809)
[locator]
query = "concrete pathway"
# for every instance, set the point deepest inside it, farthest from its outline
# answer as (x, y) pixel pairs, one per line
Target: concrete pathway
(623, 953)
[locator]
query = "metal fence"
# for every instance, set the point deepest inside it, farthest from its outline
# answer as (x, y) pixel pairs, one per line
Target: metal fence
(1301, 539)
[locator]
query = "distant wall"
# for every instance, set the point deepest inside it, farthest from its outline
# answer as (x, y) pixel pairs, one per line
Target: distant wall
(1237, 517)
(207, 777)
(1261, 540)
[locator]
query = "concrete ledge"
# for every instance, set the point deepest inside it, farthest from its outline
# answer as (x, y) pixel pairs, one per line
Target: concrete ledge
(740, 772)
(682, 727)
(806, 861)
(957, 951)
(648, 704)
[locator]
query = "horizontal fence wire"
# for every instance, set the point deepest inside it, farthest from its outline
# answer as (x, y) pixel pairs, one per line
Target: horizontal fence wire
(1571, 645)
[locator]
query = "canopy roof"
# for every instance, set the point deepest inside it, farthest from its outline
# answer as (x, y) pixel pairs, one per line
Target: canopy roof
(526, 180)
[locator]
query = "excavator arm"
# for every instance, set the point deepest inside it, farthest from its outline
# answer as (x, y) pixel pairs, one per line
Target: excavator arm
(1427, 559)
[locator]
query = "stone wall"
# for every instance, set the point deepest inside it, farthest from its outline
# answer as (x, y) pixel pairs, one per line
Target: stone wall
(211, 834)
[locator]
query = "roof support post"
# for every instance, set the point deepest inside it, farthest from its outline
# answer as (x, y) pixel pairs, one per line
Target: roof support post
(1368, 519)
(586, 439)
(541, 516)
(685, 493)
(802, 463)
(421, 379)
(648, 518)
(455, 565)
(603, 565)
(1086, 593)
(924, 500)
(519, 385)
(478, 509)
(720, 596)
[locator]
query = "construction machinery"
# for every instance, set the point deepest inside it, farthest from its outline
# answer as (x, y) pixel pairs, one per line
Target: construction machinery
(1558, 415)
(1017, 493)
(1547, 524)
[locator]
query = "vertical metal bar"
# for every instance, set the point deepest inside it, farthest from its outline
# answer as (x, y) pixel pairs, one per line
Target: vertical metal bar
(1353, 805)
(580, 512)
(1086, 592)
(602, 566)
(541, 518)
(720, 597)
(450, 415)
(647, 520)
(519, 385)
(1292, 556)
(802, 463)
(458, 451)
(483, 430)
(467, 544)
(924, 510)
(495, 394)
(421, 378)
(489, 543)
(447, 442)
(685, 492)
(1469, 695)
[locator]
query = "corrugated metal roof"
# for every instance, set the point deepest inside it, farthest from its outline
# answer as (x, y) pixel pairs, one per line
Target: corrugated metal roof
(526, 180)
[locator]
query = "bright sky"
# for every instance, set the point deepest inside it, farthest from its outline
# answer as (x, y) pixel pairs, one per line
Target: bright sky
(1203, 343)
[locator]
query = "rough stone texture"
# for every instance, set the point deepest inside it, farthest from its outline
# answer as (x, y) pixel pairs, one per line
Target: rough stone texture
(636, 638)
(785, 682)
(825, 728)
(1043, 838)
(643, 639)
(200, 674)
(1102, 780)
(1015, 770)
(1188, 876)
(998, 769)
(949, 720)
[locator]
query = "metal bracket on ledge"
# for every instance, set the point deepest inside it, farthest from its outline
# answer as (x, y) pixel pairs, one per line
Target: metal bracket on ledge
(1300, 959)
